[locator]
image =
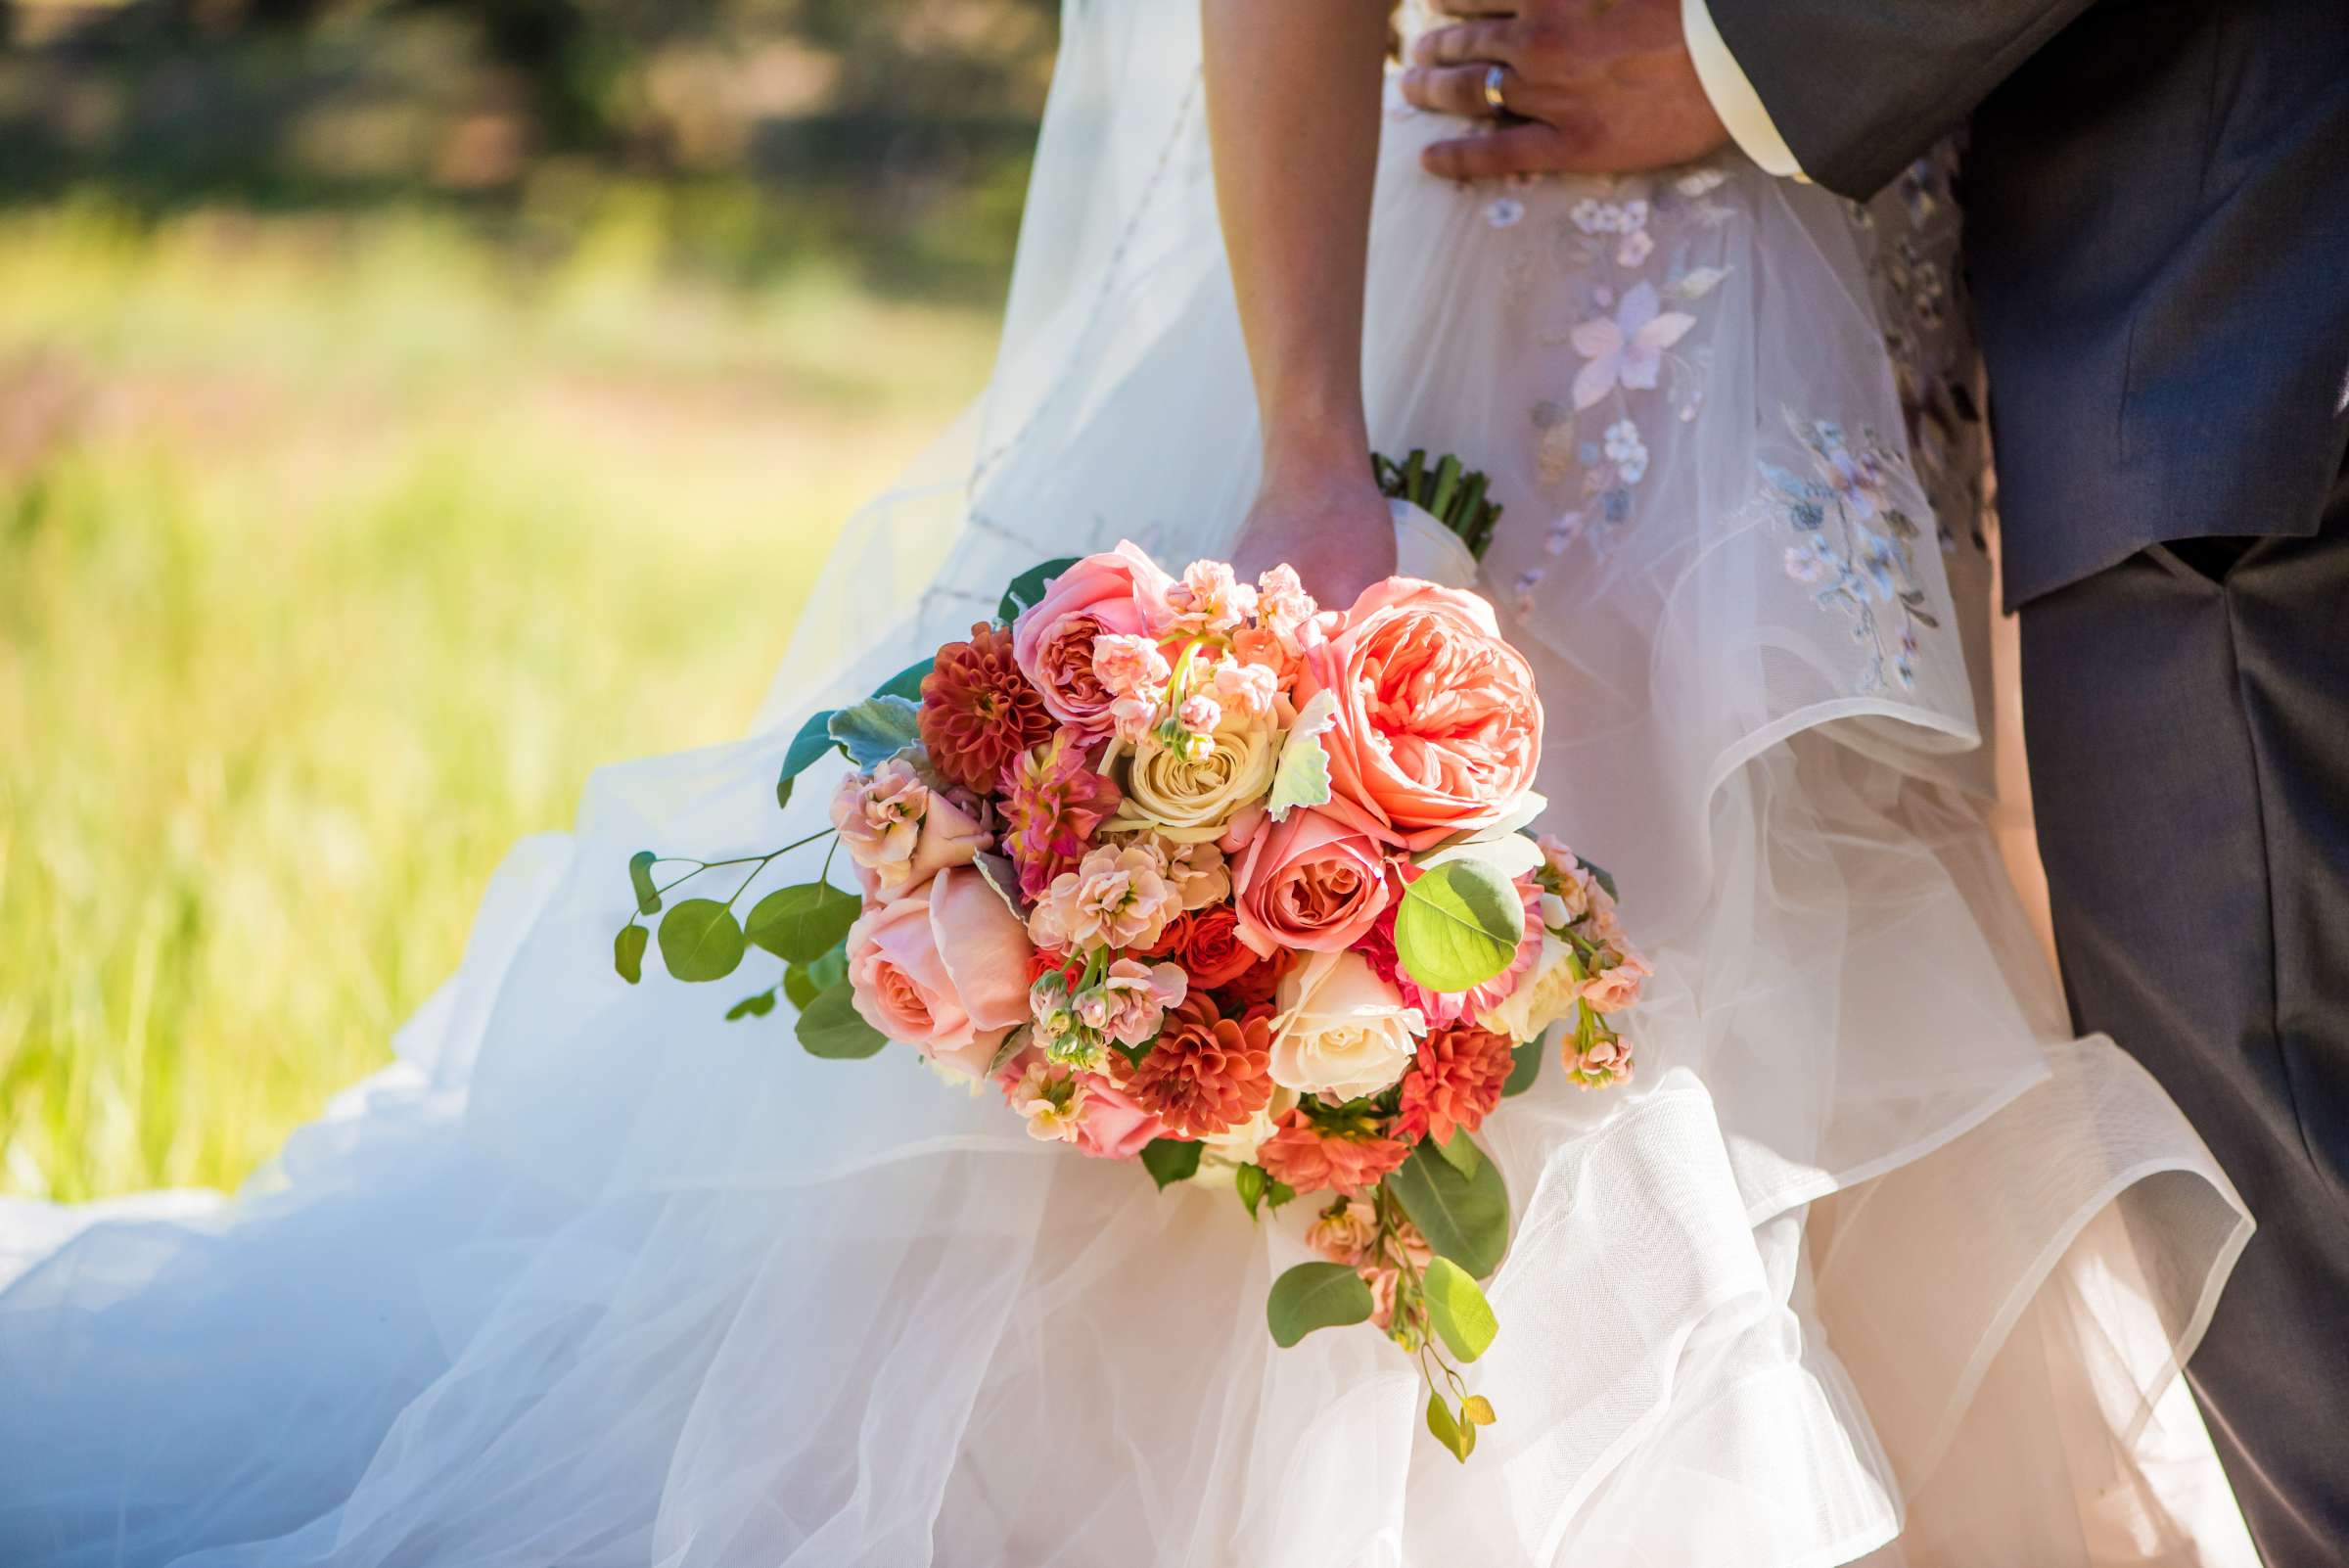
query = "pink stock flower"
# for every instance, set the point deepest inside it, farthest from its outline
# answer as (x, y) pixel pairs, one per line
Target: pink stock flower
(1127, 1003)
(1107, 1122)
(1208, 601)
(1131, 667)
(1052, 802)
(942, 968)
(1118, 896)
(1439, 726)
(1249, 688)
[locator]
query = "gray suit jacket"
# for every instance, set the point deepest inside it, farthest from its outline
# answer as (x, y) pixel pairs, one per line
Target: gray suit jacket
(2157, 210)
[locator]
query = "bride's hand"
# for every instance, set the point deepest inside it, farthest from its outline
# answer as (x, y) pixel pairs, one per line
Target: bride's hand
(1333, 526)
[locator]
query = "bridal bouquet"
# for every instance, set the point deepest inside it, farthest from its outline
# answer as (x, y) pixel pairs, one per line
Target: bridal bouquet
(1197, 874)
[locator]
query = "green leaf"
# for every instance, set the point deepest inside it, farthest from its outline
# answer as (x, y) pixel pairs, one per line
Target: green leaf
(800, 987)
(800, 924)
(1461, 1153)
(1513, 855)
(1457, 1308)
(1316, 1295)
(1170, 1160)
(1302, 775)
(811, 742)
(831, 969)
(1526, 1066)
(832, 1027)
(1029, 586)
(700, 940)
(628, 952)
(1465, 1218)
(1278, 1192)
(756, 1005)
(1458, 1440)
(783, 792)
(907, 682)
(1458, 925)
(1249, 1182)
(640, 877)
(876, 729)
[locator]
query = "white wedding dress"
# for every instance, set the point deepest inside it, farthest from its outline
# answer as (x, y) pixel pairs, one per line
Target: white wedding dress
(1870, 1259)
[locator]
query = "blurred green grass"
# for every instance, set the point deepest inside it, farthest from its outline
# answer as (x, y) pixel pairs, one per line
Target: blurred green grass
(334, 551)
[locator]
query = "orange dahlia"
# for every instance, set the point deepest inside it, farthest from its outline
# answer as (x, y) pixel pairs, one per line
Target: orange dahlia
(1205, 1073)
(1455, 1076)
(1310, 1158)
(978, 712)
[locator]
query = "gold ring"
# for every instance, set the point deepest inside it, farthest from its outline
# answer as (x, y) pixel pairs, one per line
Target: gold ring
(1496, 76)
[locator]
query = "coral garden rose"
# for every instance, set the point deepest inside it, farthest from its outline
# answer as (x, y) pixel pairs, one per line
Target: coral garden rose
(1341, 1030)
(944, 969)
(1193, 799)
(1438, 725)
(1112, 594)
(1310, 882)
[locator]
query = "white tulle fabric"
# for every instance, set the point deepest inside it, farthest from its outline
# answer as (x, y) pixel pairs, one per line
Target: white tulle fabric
(1870, 1260)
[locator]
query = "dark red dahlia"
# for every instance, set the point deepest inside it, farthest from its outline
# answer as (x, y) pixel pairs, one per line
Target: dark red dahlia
(978, 712)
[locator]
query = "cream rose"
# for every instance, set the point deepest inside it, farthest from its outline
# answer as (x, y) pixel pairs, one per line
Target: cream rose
(1538, 1000)
(1341, 1029)
(1193, 800)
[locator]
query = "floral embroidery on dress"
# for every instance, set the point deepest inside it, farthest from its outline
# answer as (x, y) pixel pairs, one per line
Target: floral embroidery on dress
(1634, 358)
(1851, 546)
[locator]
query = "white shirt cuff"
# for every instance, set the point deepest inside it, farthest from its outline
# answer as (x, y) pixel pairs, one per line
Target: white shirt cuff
(1734, 97)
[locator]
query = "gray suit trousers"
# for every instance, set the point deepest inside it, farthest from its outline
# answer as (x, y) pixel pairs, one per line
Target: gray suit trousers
(2188, 716)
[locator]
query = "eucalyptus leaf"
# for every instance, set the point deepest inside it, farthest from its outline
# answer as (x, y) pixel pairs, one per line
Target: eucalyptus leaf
(1458, 1440)
(1478, 1409)
(1460, 1152)
(800, 924)
(1028, 587)
(640, 878)
(700, 939)
(1513, 855)
(628, 952)
(1458, 925)
(1170, 1160)
(1464, 1217)
(811, 742)
(800, 987)
(1457, 1308)
(907, 682)
(832, 1027)
(1526, 1066)
(876, 729)
(1316, 1295)
(829, 970)
(756, 1005)
(1302, 775)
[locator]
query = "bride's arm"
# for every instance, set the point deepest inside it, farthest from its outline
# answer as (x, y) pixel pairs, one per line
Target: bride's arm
(1293, 116)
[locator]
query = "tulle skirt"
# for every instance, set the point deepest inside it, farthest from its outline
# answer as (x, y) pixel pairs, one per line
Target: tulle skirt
(1870, 1257)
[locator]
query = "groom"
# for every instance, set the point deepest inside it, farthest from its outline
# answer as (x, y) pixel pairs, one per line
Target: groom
(2157, 230)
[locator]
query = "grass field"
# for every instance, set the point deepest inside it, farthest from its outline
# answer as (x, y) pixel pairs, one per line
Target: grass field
(334, 552)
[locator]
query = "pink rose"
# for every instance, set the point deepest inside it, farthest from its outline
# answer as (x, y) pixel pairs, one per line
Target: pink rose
(899, 832)
(1438, 724)
(1118, 593)
(1310, 882)
(942, 968)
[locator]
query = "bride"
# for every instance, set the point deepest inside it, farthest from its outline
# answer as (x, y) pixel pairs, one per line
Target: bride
(1869, 1262)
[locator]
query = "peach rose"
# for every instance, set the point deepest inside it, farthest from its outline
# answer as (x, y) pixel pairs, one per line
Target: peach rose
(1086, 1109)
(1116, 593)
(1438, 725)
(1309, 882)
(899, 831)
(944, 969)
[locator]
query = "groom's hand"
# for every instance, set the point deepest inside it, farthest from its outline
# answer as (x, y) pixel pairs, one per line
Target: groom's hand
(1592, 88)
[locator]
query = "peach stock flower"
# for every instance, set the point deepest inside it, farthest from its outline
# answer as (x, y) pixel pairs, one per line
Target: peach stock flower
(1309, 882)
(1439, 727)
(942, 968)
(1119, 895)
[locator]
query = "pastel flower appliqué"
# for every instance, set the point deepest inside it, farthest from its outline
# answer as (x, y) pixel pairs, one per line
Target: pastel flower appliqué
(1628, 348)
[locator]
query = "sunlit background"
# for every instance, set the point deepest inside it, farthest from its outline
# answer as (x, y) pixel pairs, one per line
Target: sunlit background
(403, 408)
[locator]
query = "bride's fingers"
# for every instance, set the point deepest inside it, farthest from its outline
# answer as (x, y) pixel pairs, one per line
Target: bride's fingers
(1458, 90)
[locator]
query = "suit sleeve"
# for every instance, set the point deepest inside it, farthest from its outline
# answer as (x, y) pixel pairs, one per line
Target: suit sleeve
(1856, 90)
